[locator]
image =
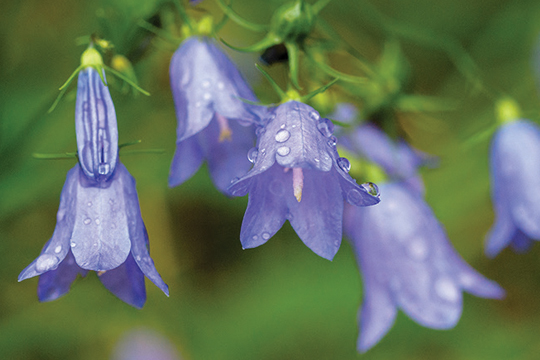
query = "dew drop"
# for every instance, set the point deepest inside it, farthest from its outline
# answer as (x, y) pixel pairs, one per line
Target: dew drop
(316, 160)
(265, 235)
(332, 141)
(58, 249)
(418, 250)
(314, 116)
(252, 154)
(220, 85)
(283, 151)
(446, 289)
(138, 258)
(282, 135)
(98, 222)
(255, 237)
(73, 244)
(263, 150)
(344, 164)
(323, 129)
(89, 204)
(207, 96)
(371, 188)
(282, 126)
(87, 221)
(103, 169)
(46, 262)
(276, 188)
(206, 84)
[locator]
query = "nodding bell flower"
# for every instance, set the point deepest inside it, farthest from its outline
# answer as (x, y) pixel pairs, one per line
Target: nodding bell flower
(407, 262)
(213, 119)
(298, 176)
(99, 225)
(515, 166)
(100, 228)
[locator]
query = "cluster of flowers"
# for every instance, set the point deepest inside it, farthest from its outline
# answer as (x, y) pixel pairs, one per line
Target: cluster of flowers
(285, 157)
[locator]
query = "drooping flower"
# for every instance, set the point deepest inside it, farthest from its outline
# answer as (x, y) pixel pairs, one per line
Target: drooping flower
(407, 262)
(214, 123)
(298, 176)
(100, 228)
(515, 186)
(99, 224)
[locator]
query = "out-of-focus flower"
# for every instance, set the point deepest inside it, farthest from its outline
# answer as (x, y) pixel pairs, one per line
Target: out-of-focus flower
(515, 186)
(299, 176)
(100, 228)
(407, 262)
(398, 159)
(144, 344)
(213, 120)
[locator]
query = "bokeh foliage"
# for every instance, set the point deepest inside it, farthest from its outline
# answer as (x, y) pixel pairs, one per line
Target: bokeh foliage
(279, 301)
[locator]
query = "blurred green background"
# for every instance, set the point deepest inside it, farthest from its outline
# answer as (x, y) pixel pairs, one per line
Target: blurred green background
(278, 301)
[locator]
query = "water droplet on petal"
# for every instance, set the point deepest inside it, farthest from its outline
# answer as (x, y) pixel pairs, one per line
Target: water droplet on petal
(206, 84)
(103, 169)
(332, 141)
(138, 258)
(259, 130)
(255, 237)
(73, 244)
(98, 222)
(344, 164)
(220, 85)
(282, 135)
(87, 221)
(265, 235)
(252, 154)
(418, 250)
(207, 96)
(276, 188)
(314, 116)
(371, 188)
(58, 249)
(283, 151)
(324, 129)
(447, 289)
(46, 262)
(316, 160)
(89, 204)
(282, 126)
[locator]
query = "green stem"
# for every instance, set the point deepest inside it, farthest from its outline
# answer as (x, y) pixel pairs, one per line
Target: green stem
(240, 20)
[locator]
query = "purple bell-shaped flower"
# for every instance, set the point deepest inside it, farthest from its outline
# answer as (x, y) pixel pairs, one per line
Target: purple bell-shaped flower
(407, 262)
(298, 176)
(515, 186)
(214, 123)
(99, 225)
